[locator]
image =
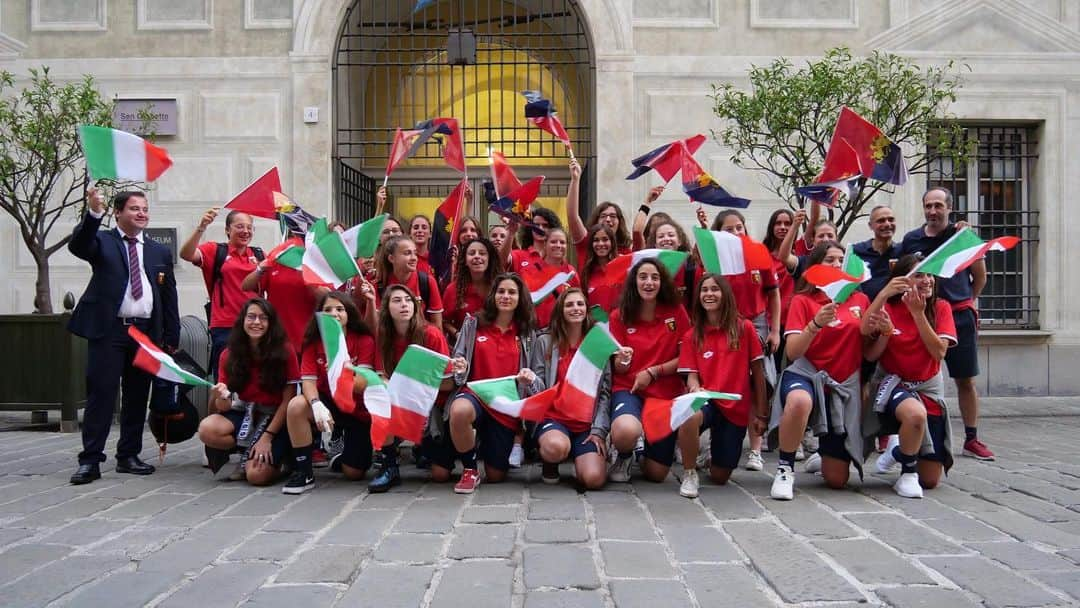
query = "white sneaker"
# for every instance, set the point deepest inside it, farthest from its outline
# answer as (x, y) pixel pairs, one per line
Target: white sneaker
(908, 485)
(885, 462)
(754, 461)
(619, 472)
(689, 487)
(813, 463)
(517, 455)
(783, 485)
(800, 455)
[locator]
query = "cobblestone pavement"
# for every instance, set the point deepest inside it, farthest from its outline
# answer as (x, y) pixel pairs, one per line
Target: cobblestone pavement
(996, 534)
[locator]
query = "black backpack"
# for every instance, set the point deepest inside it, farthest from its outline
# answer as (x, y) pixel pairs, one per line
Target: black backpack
(173, 418)
(220, 254)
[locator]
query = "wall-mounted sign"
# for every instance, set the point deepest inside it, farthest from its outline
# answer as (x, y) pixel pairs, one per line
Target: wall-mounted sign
(164, 236)
(146, 116)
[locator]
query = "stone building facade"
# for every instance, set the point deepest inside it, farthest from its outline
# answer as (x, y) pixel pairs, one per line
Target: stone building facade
(259, 83)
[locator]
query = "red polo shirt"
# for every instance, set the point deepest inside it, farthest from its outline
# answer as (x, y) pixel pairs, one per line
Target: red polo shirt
(600, 293)
(291, 297)
(361, 349)
(495, 355)
(471, 303)
(654, 342)
(751, 291)
(435, 304)
(837, 348)
(253, 391)
(520, 258)
(238, 265)
(545, 308)
(433, 340)
(719, 368)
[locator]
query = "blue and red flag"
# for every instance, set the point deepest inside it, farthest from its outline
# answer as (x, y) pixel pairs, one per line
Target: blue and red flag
(515, 204)
(444, 230)
(541, 112)
(407, 142)
(701, 187)
(665, 160)
(502, 175)
(879, 158)
(454, 146)
(840, 174)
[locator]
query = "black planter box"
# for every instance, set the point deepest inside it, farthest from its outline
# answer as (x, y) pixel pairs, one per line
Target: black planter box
(44, 366)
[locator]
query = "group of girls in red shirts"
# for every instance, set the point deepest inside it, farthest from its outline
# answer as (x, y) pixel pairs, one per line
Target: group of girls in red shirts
(679, 333)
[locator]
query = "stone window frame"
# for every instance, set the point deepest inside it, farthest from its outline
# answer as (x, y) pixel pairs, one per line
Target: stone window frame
(100, 25)
(252, 22)
(144, 23)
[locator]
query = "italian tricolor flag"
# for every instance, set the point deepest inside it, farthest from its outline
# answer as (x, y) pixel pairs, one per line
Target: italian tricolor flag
(114, 154)
(327, 260)
(662, 417)
(544, 283)
(577, 395)
(621, 265)
(155, 362)
(339, 371)
(727, 254)
(400, 407)
(289, 254)
(362, 239)
(501, 395)
(962, 250)
(839, 283)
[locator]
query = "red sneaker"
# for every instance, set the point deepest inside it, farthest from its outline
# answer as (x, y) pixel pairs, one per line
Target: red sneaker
(470, 480)
(319, 459)
(977, 450)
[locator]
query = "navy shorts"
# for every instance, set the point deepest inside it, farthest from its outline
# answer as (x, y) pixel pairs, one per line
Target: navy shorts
(280, 448)
(725, 445)
(963, 359)
(829, 444)
(626, 403)
(495, 440)
(935, 424)
(578, 445)
(356, 434)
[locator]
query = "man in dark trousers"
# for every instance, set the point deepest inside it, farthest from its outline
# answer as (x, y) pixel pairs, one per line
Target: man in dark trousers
(132, 285)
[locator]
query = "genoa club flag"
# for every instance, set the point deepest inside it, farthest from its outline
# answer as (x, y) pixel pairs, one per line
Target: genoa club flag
(541, 112)
(502, 175)
(454, 146)
(515, 204)
(444, 230)
(879, 158)
(701, 187)
(667, 159)
(407, 142)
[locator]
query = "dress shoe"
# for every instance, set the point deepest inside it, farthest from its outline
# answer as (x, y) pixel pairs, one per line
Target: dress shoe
(85, 474)
(133, 465)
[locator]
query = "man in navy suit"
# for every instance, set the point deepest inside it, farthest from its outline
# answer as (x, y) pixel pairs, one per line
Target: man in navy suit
(132, 285)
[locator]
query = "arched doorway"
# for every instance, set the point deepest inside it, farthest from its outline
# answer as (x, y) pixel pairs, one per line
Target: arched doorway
(469, 59)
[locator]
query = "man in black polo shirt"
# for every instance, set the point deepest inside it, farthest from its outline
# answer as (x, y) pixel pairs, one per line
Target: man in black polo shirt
(880, 251)
(960, 292)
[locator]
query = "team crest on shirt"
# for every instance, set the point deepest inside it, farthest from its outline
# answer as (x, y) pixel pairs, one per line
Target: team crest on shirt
(670, 322)
(856, 311)
(592, 289)
(755, 276)
(524, 263)
(707, 354)
(631, 330)
(896, 331)
(481, 338)
(321, 361)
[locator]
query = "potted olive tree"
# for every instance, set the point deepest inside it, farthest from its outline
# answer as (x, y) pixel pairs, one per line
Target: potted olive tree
(43, 183)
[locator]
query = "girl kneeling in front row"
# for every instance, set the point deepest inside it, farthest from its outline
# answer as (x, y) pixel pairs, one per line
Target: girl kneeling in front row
(581, 435)
(316, 401)
(821, 386)
(721, 352)
(257, 375)
(500, 342)
(911, 338)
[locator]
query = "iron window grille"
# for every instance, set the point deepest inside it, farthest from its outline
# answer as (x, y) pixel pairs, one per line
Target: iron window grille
(993, 191)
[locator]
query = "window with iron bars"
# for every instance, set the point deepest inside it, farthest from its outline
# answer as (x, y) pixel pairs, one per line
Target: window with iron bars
(993, 192)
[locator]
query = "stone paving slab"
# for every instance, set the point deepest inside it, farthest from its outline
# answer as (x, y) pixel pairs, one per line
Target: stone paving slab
(997, 533)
